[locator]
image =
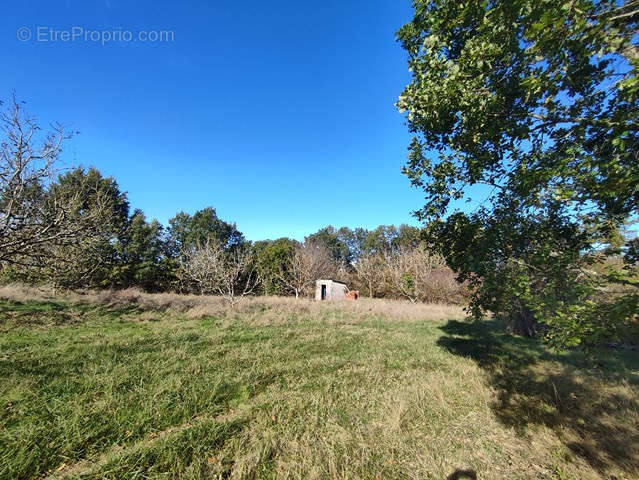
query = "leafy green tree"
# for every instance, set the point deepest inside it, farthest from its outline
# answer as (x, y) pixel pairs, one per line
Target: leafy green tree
(379, 240)
(192, 237)
(533, 106)
(142, 256)
(186, 231)
(88, 257)
(408, 237)
(272, 257)
(354, 240)
(389, 238)
(336, 241)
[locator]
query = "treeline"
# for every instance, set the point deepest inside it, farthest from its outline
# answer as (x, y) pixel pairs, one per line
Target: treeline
(76, 229)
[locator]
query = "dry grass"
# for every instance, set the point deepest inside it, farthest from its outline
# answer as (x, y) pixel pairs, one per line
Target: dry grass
(167, 386)
(196, 306)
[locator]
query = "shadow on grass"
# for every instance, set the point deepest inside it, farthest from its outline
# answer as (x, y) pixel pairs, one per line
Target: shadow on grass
(585, 400)
(47, 314)
(462, 475)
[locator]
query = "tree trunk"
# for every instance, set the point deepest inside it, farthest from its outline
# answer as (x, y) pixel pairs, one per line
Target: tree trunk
(526, 324)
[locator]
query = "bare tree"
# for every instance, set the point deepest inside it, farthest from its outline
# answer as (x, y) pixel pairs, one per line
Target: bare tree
(229, 273)
(73, 264)
(371, 271)
(310, 262)
(411, 270)
(29, 218)
(46, 227)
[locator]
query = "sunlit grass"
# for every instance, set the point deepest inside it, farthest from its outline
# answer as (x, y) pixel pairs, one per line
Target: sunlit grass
(117, 386)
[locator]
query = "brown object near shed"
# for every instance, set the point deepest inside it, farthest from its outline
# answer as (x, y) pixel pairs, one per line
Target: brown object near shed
(352, 295)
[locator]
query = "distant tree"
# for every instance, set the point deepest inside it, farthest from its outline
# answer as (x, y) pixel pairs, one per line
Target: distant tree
(370, 270)
(536, 101)
(311, 261)
(88, 257)
(215, 269)
(411, 270)
(271, 258)
(389, 238)
(186, 231)
(335, 241)
(142, 256)
(632, 252)
(354, 240)
(380, 240)
(408, 237)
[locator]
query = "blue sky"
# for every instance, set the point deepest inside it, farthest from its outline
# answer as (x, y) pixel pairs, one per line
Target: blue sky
(279, 114)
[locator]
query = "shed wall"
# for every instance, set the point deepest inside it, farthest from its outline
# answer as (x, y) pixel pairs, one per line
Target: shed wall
(334, 290)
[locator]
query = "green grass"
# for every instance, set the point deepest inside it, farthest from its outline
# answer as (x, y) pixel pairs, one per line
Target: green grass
(96, 391)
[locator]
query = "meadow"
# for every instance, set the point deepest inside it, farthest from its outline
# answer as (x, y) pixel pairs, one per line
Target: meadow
(125, 385)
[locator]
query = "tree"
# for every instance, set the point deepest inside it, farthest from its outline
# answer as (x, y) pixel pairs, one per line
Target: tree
(215, 270)
(66, 228)
(99, 211)
(271, 258)
(142, 259)
(371, 271)
(335, 241)
(186, 231)
(533, 105)
(380, 240)
(311, 261)
(29, 217)
(354, 240)
(410, 272)
(389, 238)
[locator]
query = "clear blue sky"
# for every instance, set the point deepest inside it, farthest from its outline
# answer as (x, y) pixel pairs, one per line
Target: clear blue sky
(279, 114)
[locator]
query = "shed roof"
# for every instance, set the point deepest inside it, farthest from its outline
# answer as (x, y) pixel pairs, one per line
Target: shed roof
(331, 280)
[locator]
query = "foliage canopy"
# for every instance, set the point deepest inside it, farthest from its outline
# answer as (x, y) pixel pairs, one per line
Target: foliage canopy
(533, 106)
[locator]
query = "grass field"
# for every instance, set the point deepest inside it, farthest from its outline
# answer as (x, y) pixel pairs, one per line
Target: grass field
(134, 386)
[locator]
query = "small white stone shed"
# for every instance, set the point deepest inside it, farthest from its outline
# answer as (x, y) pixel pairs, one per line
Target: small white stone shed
(330, 290)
